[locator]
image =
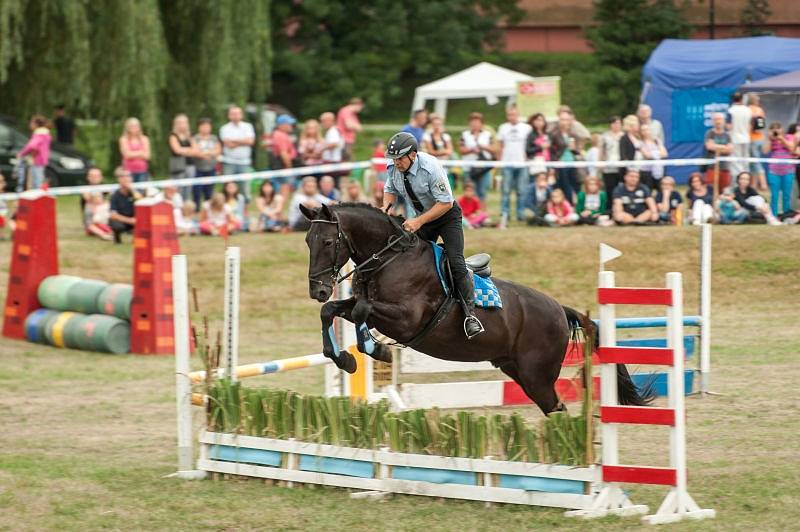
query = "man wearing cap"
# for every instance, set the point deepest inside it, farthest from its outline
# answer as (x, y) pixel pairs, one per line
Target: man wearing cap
(238, 138)
(422, 181)
(283, 149)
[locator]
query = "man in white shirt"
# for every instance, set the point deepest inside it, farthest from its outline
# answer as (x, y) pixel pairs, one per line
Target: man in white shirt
(645, 115)
(740, 118)
(334, 142)
(238, 138)
(512, 136)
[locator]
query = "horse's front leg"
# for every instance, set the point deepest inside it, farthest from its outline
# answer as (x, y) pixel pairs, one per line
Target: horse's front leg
(330, 347)
(366, 342)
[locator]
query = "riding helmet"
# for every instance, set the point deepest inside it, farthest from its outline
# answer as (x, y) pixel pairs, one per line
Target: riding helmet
(400, 144)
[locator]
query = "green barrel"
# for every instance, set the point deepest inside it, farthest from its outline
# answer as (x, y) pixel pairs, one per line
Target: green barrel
(108, 334)
(71, 332)
(54, 328)
(53, 291)
(115, 300)
(35, 324)
(82, 296)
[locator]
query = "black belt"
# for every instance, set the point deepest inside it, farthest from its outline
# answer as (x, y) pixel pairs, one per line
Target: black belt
(411, 195)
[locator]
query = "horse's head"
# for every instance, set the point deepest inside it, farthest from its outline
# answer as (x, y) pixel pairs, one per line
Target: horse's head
(328, 251)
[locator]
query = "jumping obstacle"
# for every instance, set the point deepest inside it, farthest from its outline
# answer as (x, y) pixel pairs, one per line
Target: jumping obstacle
(678, 504)
(592, 491)
(67, 311)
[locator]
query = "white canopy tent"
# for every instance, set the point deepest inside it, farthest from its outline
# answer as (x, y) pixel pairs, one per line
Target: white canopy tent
(483, 80)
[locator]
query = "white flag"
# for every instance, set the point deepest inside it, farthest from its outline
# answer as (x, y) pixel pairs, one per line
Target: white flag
(608, 253)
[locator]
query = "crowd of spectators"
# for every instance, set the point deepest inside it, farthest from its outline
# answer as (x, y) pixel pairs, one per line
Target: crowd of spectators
(593, 194)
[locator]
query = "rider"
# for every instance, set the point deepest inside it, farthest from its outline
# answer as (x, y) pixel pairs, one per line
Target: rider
(422, 181)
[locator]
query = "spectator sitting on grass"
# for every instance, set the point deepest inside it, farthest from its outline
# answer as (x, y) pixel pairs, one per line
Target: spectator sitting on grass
(5, 220)
(536, 200)
(308, 195)
(122, 217)
(94, 176)
(269, 204)
(730, 212)
(474, 216)
(700, 199)
(327, 187)
(668, 201)
(186, 219)
(353, 193)
(592, 204)
(746, 196)
(633, 203)
(237, 203)
(216, 218)
(559, 211)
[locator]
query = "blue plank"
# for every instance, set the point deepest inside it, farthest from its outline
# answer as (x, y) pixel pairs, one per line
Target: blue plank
(644, 323)
(437, 476)
(658, 381)
(688, 343)
(336, 466)
(244, 455)
(551, 485)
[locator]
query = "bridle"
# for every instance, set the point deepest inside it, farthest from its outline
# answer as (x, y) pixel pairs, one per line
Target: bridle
(335, 277)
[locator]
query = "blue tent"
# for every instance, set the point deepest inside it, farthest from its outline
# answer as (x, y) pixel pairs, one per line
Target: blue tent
(685, 81)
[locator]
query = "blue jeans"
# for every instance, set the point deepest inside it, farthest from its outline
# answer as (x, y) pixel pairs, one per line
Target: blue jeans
(780, 185)
(201, 193)
(140, 177)
(37, 177)
(755, 151)
(482, 183)
(516, 179)
(232, 168)
(567, 181)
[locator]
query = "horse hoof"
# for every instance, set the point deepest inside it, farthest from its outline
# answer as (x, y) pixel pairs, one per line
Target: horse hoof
(346, 362)
(381, 353)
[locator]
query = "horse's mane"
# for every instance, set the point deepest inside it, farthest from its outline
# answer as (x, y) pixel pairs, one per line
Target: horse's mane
(366, 208)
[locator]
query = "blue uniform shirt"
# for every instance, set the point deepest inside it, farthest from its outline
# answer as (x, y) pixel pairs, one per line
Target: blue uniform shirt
(428, 179)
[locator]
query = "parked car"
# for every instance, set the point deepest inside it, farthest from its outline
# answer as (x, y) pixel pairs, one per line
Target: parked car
(67, 165)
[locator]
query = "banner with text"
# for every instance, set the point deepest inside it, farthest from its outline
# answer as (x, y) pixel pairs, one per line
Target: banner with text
(539, 95)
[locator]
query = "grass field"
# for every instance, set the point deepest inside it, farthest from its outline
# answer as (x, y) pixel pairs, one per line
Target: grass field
(86, 438)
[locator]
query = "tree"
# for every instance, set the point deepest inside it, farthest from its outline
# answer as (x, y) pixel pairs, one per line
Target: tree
(753, 16)
(626, 33)
(327, 52)
(146, 58)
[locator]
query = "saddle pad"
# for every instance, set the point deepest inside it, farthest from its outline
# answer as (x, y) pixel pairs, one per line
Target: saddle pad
(486, 293)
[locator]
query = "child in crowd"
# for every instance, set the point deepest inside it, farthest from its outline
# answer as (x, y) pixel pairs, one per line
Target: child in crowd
(669, 201)
(186, 219)
(700, 200)
(593, 155)
(730, 212)
(237, 203)
(217, 216)
(96, 216)
(559, 210)
(474, 216)
(353, 193)
(592, 204)
(377, 195)
(269, 204)
(5, 221)
(536, 200)
(747, 197)
(327, 187)
(378, 149)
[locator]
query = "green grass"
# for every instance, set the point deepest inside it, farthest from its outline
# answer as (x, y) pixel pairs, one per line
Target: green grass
(87, 438)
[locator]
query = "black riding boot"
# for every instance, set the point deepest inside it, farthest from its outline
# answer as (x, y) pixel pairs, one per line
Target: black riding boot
(472, 325)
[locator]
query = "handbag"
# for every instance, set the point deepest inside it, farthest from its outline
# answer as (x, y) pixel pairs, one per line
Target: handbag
(758, 122)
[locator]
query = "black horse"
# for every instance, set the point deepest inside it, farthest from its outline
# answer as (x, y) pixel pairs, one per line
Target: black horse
(397, 291)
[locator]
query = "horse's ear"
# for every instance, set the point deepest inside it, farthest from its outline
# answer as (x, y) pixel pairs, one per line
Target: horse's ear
(326, 213)
(310, 214)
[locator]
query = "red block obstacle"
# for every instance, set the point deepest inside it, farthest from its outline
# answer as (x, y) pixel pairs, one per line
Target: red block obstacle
(35, 256)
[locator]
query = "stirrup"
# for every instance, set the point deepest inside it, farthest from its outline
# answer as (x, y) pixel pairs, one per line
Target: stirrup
(475, 320)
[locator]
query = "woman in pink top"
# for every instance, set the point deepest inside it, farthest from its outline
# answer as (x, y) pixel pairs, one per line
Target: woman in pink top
(135, 149)
(38, 147)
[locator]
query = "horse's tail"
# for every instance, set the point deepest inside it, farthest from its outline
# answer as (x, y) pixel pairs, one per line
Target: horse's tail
(627, 392)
